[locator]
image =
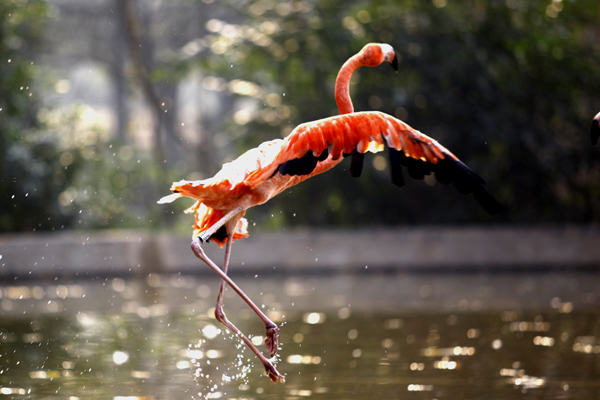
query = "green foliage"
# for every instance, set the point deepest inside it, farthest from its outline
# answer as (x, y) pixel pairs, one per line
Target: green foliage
(509, 87)
(102, 183)
(59, 167)
(22, 166)
(69, 173)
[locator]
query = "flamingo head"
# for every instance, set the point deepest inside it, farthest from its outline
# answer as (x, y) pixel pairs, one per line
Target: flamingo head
(374, 54)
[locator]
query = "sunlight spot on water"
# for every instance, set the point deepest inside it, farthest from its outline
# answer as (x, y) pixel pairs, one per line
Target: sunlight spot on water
(214, 353)
(183, 364)
(448, 351)
(143, 312)
(49, 374)
(257, 340)
(120, 357)
(512, 371)
(394, 323)
(444, 363)
(276, 316)
(419, 388)
(195, 354)
(528, 326)
(543, 341)
(153, 280)
(417, 366)
(528, 382)
(586, 344)
(17, 292)
(473, 333)
(565, 308)
(300, 392)
(68, 364)
(300, 359)
(344, 313)
(32, 337)
(298, 338)
(9, 390)
(85, 319)
(210, 331)
(140, 374)
(38, 375)
(314, 318)
(118, 285)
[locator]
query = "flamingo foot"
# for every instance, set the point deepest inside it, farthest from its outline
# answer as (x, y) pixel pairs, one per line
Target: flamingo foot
(272, 372)
(272, 339)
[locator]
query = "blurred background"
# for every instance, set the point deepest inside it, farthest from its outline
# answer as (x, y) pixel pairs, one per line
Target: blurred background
(104, 103)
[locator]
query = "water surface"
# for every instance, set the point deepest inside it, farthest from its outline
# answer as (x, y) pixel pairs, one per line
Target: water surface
(373, 335)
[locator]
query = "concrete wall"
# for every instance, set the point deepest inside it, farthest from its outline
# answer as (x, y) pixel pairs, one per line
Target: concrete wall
(130, 252)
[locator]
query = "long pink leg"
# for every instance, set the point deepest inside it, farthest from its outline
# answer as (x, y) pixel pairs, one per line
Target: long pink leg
(272, 372)
(271, 338)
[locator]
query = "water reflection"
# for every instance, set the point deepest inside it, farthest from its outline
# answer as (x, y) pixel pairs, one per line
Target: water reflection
(371, 336)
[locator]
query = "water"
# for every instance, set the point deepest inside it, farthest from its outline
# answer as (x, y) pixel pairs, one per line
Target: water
(383, 336)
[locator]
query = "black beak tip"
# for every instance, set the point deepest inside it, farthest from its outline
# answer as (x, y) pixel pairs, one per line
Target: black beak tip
(394, 63)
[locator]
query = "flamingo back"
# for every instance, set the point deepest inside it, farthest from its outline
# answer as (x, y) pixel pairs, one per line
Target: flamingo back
(315, 147)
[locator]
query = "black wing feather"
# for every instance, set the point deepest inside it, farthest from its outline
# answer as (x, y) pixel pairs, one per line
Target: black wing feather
(447, 171)
(466, 181)
(356, 163)
(303, 165)
(396, 166)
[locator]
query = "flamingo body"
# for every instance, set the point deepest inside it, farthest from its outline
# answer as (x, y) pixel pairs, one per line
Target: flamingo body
(315, 147)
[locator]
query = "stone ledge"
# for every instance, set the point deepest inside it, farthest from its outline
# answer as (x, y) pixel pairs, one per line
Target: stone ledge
(302, 251)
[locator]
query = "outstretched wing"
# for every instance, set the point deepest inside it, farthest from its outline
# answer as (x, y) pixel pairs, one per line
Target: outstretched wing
(595, 132)
(317, 146)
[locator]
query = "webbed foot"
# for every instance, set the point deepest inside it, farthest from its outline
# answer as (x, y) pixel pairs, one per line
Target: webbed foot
(273, 374)
(272, 339)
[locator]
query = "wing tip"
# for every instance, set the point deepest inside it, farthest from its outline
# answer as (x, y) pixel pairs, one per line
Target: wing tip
(169, 198)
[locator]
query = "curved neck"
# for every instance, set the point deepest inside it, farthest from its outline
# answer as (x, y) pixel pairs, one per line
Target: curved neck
(342, 84)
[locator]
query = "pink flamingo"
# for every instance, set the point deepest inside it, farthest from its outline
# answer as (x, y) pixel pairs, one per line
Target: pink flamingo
(312, 148)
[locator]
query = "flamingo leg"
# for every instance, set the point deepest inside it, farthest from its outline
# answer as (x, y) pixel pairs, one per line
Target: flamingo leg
(272, 372)
(271, 338)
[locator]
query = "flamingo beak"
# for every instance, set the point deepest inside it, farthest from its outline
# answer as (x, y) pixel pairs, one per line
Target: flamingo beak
(394, 63)
(389, 55)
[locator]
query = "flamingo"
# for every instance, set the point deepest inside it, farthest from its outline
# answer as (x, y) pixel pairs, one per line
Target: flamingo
(310, 149)
(595, 131)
